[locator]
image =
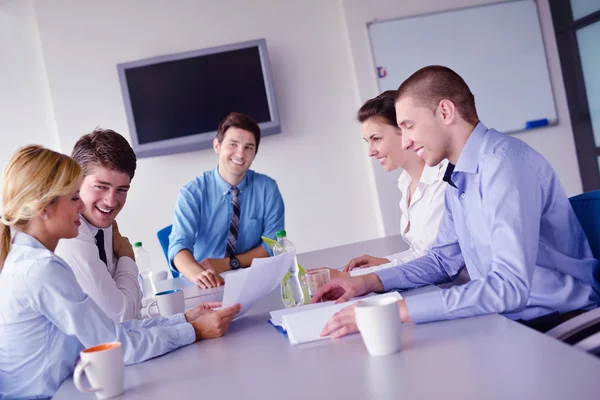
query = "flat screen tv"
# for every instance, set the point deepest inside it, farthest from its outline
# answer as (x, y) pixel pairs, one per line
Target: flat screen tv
(174, 103)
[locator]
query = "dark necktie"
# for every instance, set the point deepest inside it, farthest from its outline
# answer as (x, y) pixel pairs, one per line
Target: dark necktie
(448, 175)
(100, 244)
(235, 222)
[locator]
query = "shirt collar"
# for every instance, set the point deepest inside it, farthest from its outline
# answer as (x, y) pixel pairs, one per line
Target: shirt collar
(224, 187)
(22, 238)
(468, 161)
(94, 230)
(429, 176)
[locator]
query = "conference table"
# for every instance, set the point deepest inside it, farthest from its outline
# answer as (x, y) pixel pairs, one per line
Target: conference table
(487, 357)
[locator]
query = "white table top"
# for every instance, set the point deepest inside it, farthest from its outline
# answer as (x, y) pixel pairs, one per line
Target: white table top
(488, 357)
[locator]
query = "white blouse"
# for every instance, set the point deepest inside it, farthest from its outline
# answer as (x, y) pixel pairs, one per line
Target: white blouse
(420, 220)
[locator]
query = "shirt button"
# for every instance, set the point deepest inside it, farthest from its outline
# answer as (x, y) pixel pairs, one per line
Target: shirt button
(462, 196)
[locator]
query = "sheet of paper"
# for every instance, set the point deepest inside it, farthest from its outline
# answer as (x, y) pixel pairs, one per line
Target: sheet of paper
(303, 327)
(248, 285)
(277, 315)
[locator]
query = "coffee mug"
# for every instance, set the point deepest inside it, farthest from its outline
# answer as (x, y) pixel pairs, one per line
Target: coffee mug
(169, 302)
(104, 368)
(378, 321)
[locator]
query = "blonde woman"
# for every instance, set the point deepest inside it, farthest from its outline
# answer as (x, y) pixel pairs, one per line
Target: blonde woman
(45, 317)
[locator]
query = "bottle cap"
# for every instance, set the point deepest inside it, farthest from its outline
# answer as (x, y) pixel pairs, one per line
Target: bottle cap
(137, 244)
(280, 234)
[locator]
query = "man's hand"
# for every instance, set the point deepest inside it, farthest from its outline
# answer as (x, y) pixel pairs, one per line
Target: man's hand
(343, 322)
(208, 279)
(121, 245)
(202, 309)
(364, 261)
(215, 323)
(216, 264)
(343, 289)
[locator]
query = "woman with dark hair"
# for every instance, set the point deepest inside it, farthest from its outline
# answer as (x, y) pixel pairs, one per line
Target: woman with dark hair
(421, 186)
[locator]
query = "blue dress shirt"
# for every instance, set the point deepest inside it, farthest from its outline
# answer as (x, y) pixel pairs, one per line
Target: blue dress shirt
(46, 320)
(508, 219)
(203, 215)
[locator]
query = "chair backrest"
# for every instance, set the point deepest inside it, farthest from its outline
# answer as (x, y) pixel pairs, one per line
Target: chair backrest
(587, 210)
(163, 238)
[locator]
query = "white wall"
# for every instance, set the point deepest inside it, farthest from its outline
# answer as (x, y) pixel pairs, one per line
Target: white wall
(319, 159)
(58, 74)
(25, 108)
(555, 143)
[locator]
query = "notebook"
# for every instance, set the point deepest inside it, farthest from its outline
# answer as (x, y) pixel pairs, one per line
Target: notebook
(304, 324)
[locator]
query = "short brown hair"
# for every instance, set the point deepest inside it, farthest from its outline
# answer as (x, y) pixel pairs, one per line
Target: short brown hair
(381, 107)
(105, 148)
(241, 121)
(434, 83)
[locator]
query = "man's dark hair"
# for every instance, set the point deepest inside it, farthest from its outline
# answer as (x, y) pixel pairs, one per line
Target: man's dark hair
(105, 148)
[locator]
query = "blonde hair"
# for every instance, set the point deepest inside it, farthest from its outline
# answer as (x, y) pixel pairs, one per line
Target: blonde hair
(33, 179)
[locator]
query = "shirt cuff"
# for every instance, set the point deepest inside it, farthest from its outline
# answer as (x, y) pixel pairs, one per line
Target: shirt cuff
(187, 335)
(176, 319)
(387, 277)
(426, 307)
(365, 271)
(174, 249)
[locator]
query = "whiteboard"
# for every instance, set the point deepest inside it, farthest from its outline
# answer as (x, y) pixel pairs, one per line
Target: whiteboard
(497, 49)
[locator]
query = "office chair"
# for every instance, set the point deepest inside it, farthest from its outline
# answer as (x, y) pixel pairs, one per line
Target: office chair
(583, 331)
(163, 238)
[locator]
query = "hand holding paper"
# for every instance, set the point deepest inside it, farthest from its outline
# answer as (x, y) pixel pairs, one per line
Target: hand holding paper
(248, 285)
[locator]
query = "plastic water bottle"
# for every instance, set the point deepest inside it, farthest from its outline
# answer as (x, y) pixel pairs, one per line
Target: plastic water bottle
(292, 294)
(146, 276)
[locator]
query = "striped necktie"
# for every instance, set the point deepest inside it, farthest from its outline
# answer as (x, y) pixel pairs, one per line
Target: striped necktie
(235, 222)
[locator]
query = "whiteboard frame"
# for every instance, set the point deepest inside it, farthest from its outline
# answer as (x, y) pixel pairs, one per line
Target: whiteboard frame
(551, 122)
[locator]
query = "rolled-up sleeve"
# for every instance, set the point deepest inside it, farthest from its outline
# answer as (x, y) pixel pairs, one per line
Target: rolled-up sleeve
(185, 224)
(274, 215)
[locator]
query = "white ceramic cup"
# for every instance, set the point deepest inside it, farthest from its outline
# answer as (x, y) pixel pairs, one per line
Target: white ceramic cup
(378, 321)
(169, 302)
(104, 368)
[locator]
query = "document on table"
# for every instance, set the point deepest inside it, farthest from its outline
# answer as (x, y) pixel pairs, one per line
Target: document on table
(304, 324)
(248, 285)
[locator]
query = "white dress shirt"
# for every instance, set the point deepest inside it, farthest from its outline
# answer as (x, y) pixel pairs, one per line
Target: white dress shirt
(420, 219)
(46, 320)
(114, 286)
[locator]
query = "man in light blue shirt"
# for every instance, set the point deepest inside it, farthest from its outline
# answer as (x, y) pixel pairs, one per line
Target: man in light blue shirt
(221, 215)
(507, 220)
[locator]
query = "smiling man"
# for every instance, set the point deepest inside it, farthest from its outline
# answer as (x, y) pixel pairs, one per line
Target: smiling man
(103, 260)
(506, 218)
(221, 215)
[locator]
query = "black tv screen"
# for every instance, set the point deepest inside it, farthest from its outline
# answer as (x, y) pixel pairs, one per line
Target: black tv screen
(175, 103)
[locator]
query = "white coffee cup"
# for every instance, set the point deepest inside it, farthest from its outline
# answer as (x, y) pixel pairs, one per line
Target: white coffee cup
(169, 302)
(104, 368)
(378, 321)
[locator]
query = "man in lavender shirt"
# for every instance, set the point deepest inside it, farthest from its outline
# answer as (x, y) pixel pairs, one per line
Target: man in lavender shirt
(507, 219)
